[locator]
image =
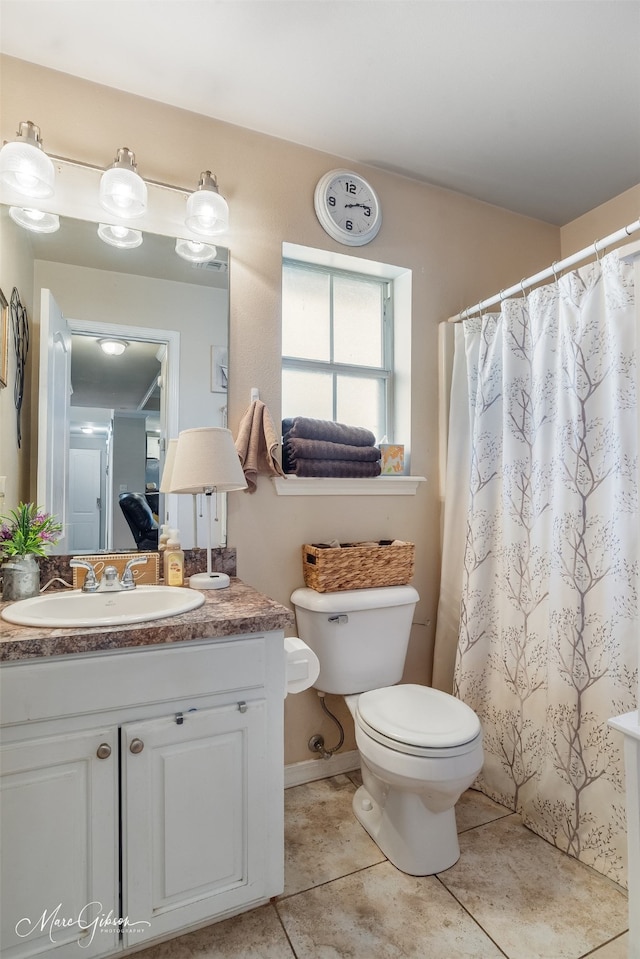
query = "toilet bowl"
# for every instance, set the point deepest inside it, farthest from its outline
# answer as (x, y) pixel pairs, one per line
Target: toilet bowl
(413, 772)
(420, 748)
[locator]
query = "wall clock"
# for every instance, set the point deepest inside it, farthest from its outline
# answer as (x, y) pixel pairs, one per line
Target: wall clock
(347, 207)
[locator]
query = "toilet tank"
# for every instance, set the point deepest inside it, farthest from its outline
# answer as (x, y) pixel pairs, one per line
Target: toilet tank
(360, 636)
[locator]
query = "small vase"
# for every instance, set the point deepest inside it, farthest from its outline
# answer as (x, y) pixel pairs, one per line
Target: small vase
(20, 577)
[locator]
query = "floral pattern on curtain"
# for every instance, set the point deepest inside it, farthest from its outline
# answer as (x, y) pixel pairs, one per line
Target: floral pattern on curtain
(548, 637)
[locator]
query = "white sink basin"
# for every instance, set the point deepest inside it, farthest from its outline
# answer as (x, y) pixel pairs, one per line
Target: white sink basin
(103, 609)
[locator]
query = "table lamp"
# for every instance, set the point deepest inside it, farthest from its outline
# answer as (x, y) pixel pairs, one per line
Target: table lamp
(206, 461)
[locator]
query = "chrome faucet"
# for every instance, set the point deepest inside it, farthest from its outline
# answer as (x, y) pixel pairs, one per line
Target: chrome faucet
(109, 581)
(127, 581)
(90, 584)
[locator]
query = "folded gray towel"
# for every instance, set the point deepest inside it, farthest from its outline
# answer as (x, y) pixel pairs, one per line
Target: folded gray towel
(298, 448)
(310, 429)
(351, 469)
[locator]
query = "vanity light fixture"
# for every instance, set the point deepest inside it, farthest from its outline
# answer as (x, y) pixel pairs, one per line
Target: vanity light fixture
(207, 210)
(121, 237)
(35, 220)
(24, 166)
(195, 251)
(113, 347)
(123, 192)
(26, 169)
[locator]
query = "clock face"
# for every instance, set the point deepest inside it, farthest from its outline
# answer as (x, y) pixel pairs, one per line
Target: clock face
(347, 207)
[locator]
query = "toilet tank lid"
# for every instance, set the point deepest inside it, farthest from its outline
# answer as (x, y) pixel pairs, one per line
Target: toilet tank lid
(353, 600)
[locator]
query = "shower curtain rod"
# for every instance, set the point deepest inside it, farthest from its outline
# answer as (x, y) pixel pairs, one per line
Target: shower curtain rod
(552, 270)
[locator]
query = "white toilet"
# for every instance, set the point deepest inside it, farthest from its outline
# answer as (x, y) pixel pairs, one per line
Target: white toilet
(420, 748)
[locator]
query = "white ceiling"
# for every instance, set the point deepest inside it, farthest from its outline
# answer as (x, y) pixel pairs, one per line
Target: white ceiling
(533, 106)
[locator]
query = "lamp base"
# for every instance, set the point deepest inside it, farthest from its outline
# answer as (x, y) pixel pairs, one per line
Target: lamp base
(209, 581)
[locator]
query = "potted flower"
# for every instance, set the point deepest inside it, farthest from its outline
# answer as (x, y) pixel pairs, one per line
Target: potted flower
(24, 534)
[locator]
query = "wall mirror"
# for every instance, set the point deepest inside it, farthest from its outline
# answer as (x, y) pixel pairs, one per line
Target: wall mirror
(104, 420)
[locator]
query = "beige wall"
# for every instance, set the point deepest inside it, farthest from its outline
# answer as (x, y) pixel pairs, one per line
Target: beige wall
(600, 222)
(458, 249)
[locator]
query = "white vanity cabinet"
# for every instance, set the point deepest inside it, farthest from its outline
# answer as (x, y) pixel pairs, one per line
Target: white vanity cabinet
(142, 793)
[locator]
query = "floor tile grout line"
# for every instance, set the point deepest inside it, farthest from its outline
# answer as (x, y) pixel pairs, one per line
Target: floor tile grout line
(274, 903)
(472, 917)
(595, 949)
(354, 872)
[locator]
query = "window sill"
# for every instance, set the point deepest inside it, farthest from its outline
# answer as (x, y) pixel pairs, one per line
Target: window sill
(328, 486)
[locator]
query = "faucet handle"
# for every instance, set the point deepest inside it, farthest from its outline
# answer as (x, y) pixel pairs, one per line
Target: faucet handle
(90, 584)
(127, 581)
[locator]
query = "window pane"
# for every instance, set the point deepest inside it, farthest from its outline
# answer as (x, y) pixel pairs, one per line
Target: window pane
(357, 319)
(305, 314)
(307, 394)
(361, 403)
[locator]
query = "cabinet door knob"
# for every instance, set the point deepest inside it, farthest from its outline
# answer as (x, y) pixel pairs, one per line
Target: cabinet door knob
(103, 751)
(136, 746)
(242, 706)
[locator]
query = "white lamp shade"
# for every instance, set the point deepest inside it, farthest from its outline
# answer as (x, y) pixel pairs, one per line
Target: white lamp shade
(122, 237)
(35, 220)
(206, 458)
(207, 213)
(123, 192)
(169, 460)
(195, 251)
(27, 169)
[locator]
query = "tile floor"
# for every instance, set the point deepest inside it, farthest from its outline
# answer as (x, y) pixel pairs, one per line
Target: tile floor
(509, 895)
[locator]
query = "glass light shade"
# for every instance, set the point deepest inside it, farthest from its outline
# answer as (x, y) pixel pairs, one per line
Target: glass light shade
(113, 347)
(207, 211)
(205, 459)
(35, 220)
(120, 236)
(24, 166)
(123, 192)
(195, 251)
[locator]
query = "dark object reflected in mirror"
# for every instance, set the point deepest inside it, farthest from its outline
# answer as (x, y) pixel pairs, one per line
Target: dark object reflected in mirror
(138, 515)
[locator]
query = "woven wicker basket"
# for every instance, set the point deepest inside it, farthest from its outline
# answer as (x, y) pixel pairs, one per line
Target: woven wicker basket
(357, 565)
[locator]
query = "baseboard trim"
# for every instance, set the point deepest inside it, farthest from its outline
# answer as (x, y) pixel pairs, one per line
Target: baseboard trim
(307, 771)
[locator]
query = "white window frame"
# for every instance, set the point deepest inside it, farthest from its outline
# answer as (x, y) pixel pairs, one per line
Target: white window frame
(383, 373)
(402, 300)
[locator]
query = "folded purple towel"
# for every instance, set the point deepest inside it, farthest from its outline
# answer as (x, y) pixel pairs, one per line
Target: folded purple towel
(351, 469)
(322, 450)
(305, 428)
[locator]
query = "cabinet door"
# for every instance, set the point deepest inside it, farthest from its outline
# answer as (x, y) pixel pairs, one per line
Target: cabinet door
(59, 845)
(194, 816)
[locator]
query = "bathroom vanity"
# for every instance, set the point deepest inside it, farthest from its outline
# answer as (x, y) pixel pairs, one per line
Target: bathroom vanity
(142, 776)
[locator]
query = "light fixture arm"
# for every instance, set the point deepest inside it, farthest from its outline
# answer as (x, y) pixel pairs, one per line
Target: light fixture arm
(81, 165)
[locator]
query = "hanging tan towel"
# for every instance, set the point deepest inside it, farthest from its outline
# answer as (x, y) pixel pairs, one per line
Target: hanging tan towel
(256, 443)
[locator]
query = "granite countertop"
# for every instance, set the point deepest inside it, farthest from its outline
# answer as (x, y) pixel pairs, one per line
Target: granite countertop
(237, 610)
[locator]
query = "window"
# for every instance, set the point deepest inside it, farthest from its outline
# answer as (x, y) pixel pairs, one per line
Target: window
(337, 346)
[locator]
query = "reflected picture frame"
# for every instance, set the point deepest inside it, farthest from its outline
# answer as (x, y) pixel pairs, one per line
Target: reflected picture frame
(4, 340)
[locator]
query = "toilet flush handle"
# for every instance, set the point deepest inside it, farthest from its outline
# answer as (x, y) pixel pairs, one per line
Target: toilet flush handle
(340, 618)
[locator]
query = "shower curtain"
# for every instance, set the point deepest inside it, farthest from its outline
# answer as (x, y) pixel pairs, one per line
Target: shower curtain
(541, 563)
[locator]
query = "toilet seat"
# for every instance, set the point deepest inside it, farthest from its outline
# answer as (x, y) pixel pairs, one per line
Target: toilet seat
(418, 721)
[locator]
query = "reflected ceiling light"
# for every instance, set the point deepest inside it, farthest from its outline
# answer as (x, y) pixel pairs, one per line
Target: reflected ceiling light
(207, 211)
(24, 166)
(120, 236)
(86, 429)
(123, 192)
(35, 220)
(113, 347)
(195, 251)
